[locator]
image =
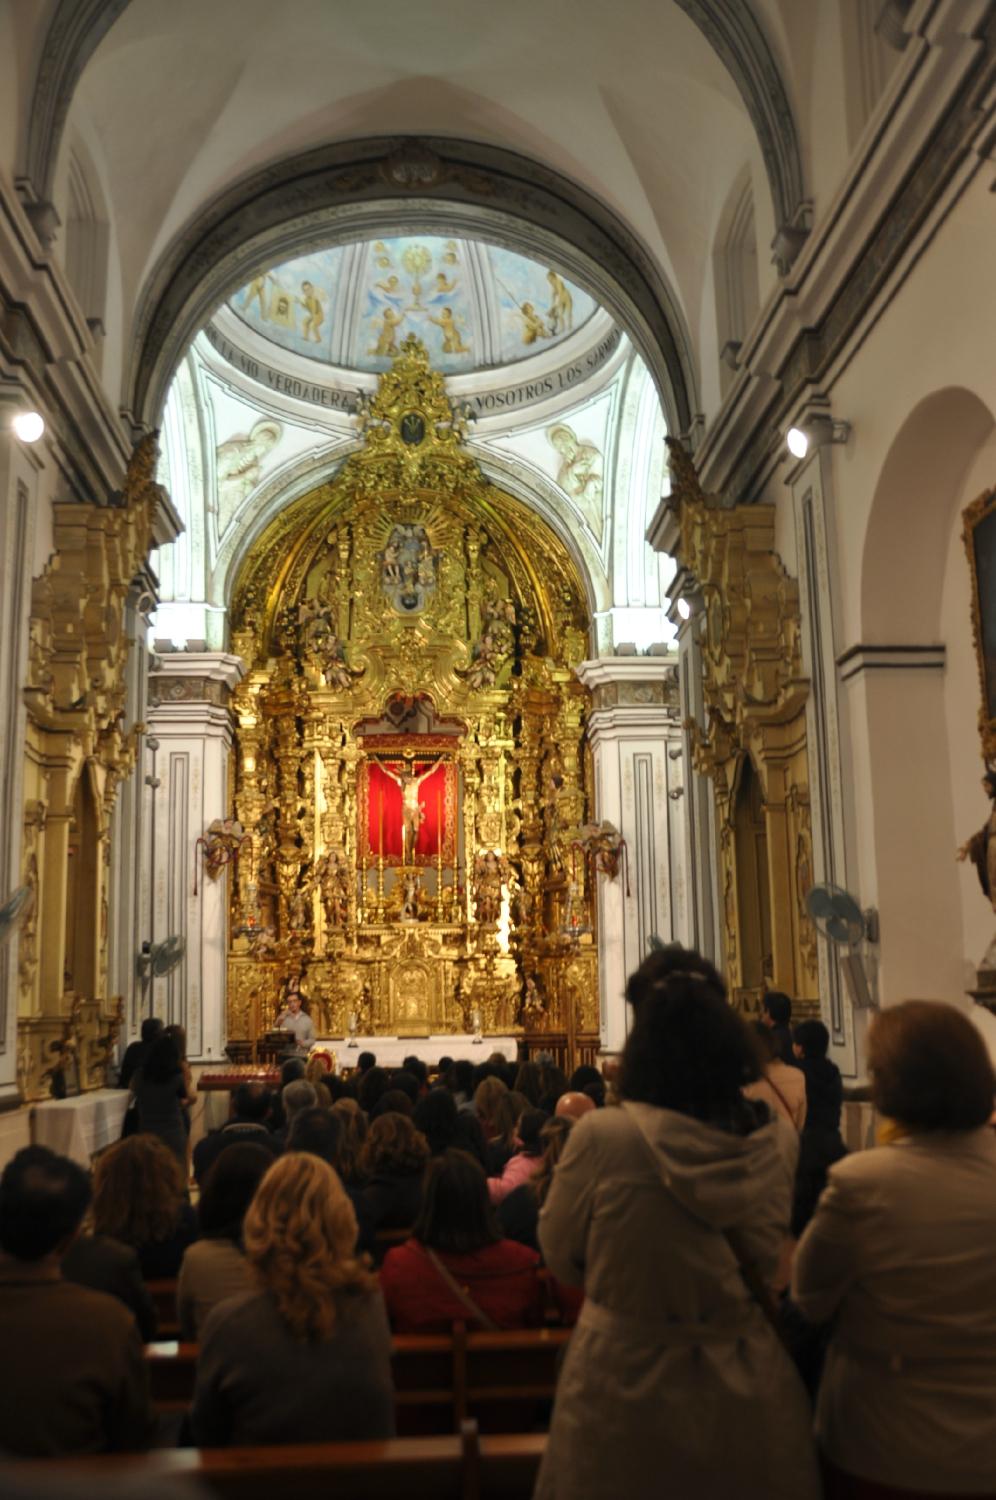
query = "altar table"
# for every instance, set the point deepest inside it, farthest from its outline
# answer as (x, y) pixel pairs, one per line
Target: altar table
(81, 1126)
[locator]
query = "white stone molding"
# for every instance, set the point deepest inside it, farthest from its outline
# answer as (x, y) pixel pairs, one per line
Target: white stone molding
(193, 727)
(635, 777)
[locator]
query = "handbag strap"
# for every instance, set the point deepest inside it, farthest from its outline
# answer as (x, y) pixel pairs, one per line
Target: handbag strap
(786, 1105)
(460, 1293)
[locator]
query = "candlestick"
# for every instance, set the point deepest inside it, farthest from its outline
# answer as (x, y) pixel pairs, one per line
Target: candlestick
(380, 821)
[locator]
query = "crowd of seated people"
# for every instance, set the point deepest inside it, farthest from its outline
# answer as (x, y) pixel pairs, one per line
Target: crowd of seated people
(687, 1217)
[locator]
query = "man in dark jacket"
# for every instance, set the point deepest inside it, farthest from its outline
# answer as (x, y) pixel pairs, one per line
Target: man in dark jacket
(74, 1379)
(250, 1107)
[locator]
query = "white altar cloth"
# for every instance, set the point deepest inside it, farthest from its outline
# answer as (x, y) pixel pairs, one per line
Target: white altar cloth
(81, 1126)
(391, 1051)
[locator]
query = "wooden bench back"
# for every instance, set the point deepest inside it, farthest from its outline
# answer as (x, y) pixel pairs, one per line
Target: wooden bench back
(458, 1467)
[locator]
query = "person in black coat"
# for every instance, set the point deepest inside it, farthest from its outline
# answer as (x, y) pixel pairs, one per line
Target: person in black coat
(136, 1052)
(106, 1265)
(251, 1104)
(820, 1144)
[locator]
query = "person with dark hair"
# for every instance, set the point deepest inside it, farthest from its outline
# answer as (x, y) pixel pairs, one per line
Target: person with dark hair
(502, 1140)
(553, 1083)
(824, 1087)
(461, 1083)
(596, 1093)
(518, 1213)
(443, 1066)
(365, 1062)
(160, 1091)
(393, 1164)
(317, 1131)
(436, 1117)
(529, 1083)
(899, 1253)
(373, 1083)
(469, 1137)
(525, 1154)
(392, 1102)
(405, 1082)
(456, 1267)
(73, 1379)
(215, 1267)
(291, 1069)
(418, 1070)
(136, 1052)
(782, 1089)
(582, 1076)
(352, 1134)
(250, 1106)
(776, 1015)
(675, 1381)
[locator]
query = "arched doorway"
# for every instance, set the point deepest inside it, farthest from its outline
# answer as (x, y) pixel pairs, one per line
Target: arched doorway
(410, 768)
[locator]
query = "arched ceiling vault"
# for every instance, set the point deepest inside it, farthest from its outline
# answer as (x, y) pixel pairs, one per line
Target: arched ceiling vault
(77, 28)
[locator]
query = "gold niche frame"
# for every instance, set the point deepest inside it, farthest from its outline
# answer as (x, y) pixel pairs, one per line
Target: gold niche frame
(979, 535)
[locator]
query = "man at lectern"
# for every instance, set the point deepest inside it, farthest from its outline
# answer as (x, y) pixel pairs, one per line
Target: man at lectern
(293, 1019)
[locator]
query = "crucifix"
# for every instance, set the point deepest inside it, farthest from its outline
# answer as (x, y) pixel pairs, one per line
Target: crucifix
(412, 811)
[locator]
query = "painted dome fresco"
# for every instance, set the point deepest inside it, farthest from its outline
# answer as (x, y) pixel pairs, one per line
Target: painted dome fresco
(473, 305)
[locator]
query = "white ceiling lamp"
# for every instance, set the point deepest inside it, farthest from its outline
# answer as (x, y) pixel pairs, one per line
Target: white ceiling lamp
(28, 426)
(815, 432)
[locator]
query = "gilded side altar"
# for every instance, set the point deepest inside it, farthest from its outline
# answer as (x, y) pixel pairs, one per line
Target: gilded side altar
(411, 768)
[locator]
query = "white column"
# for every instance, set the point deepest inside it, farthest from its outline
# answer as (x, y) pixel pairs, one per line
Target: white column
(635, 737)
(190, 720)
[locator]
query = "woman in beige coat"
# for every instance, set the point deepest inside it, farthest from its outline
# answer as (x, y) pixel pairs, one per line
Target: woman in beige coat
(675, 1386)
(901, 1252)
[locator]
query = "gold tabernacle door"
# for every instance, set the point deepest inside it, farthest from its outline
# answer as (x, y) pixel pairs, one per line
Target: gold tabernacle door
(410, 765)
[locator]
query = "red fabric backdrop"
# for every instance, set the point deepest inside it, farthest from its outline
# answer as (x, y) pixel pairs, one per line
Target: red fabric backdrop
(384, 812)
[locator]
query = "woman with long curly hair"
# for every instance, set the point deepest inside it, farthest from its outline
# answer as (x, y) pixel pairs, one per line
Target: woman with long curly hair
(307, 1356)
(139, 1198)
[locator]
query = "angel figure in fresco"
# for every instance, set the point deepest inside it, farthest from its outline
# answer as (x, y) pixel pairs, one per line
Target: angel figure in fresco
(239, 462)
(412, 811)
(561, 310)
(256, 292)
(533, 327)
(444, 285)
(391, 287)
(313, 302)
(387, 338)
(452, 341)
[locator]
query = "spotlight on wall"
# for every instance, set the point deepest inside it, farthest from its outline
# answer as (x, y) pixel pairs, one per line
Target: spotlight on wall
(815, 432)
(28, 426)
(684, 609)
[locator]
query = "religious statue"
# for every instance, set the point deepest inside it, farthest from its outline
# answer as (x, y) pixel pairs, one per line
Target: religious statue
(491, 871)
(409, 898)
(981, 847)
(332, 881)
(495, 645)
(320, 641)
(300, 908)
(602, 843)
(408, 567)
(412, 811)
(221, 844)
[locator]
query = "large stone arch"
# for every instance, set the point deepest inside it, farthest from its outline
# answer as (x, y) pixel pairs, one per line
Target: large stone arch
(376, 187)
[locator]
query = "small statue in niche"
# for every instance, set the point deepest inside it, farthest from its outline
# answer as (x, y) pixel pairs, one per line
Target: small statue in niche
(300, 909)
(409, 897)
(533, 1009)
(495, 645)
(332, 882)
(408, 567)
(319, 641)
(221, 843)
(491, 871)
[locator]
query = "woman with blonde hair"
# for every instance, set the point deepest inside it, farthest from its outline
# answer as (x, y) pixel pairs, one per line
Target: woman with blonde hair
(139, 1198)
(306, 1357)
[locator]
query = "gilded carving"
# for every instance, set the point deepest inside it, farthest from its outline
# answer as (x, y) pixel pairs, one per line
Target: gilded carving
(754, 692)
(409, 741)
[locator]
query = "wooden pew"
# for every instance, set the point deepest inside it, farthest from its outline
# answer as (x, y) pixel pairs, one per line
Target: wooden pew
(163, 1294)
(457, 1467)
(506, 1380)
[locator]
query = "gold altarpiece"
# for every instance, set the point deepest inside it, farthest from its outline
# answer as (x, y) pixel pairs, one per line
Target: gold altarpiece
(753, 744)
(410, 756)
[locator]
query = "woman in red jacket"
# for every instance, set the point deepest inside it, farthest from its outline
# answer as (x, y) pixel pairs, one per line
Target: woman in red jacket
(457, 1267)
